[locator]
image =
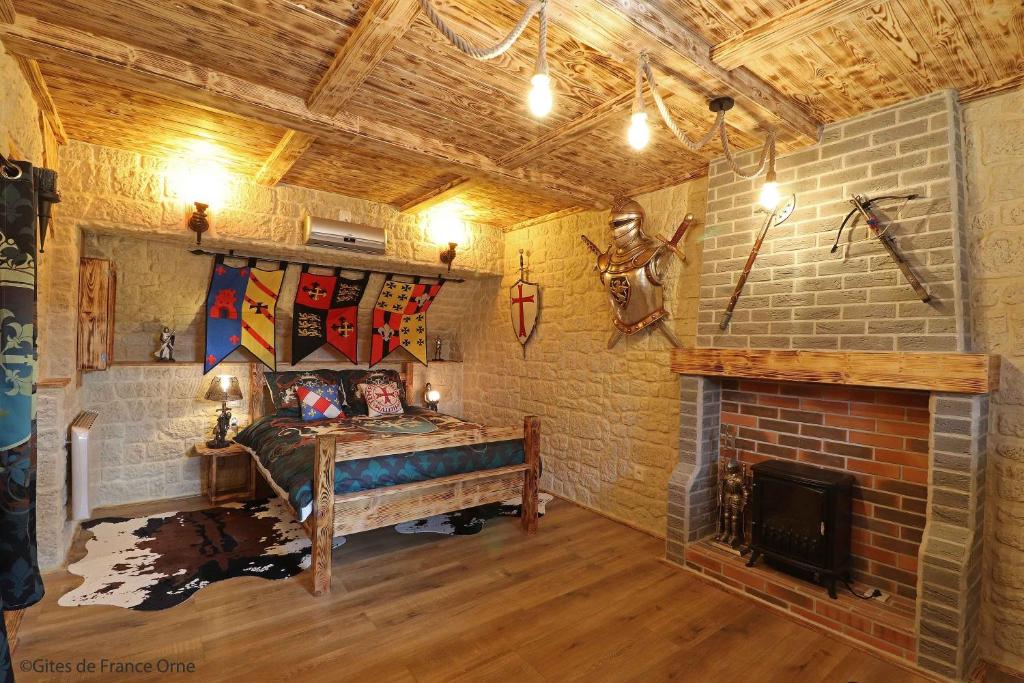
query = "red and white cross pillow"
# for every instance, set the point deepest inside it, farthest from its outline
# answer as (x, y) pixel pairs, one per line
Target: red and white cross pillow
(318, 403)
(382, 399)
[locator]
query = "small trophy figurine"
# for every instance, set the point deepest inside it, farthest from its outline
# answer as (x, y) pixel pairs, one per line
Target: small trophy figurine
(166, 351)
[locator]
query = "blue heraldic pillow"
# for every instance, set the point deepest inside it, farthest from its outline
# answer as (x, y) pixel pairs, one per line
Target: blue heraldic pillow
(318, 403)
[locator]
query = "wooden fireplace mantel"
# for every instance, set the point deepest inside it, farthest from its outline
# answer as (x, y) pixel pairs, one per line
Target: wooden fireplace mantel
(964, 373)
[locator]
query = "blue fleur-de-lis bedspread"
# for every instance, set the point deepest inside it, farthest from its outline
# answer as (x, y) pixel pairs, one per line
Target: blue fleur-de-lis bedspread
(285, 445)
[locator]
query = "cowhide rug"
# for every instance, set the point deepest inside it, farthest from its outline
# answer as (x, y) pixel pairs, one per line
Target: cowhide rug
(159, 561)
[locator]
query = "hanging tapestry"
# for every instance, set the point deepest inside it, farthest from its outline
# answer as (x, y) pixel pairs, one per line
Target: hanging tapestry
(400, 318)
(326, 311)
(241, 305)
(20, 583)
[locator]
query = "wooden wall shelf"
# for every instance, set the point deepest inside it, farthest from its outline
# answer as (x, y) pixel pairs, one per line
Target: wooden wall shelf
(53, 383)
(965, 373)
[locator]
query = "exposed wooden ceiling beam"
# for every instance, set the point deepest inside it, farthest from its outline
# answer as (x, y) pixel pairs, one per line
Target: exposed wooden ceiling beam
(993, 87)
(797, 22)
(559, 137)
(437, 195)
(668, 182)
(383, 25)
(41, 94)
(537, 220)
(292, 146)
(137, 68)
(7, 14)
(621, 32)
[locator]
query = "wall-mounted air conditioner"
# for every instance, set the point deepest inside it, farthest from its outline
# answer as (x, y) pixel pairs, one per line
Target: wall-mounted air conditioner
(323, 232)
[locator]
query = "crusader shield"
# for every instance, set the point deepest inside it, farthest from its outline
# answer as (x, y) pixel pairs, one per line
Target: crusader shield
(524, 297)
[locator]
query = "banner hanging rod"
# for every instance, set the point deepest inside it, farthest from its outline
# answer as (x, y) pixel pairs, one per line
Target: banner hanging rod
(231, 253)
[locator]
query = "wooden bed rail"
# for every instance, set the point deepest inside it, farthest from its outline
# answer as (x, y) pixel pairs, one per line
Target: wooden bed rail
(348, 513)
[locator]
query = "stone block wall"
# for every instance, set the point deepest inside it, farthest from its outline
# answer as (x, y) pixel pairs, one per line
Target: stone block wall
(609, 418)
(950, 581)
(994, 147)
(800, 295)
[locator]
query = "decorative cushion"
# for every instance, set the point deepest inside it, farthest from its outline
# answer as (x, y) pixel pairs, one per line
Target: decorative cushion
(351, 379)
(282, 386)
(382, 399)
(318, 403)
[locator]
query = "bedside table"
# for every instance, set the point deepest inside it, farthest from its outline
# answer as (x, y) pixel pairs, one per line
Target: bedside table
(236, 460)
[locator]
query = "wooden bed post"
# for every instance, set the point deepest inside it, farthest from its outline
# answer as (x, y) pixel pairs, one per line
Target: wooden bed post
(322, 528)
(531, 448)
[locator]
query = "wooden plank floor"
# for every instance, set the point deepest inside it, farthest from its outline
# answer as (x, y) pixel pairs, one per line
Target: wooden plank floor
(584, 599)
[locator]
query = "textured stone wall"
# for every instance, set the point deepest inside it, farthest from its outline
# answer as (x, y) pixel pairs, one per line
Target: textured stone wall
(799, 294)
(995, 210)
(609, 418)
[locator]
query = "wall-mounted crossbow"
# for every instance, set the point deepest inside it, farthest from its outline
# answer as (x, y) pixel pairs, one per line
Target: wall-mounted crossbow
(863, 206)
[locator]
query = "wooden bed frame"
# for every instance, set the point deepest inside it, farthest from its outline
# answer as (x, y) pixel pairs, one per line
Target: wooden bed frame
(337, 515)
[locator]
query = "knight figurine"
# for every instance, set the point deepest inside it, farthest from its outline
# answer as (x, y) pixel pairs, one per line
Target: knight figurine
(733, 493)
(633, 269)
(166, 350)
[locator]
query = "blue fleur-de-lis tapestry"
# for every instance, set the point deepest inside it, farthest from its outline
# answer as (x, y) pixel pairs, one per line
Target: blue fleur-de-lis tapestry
(20, 583)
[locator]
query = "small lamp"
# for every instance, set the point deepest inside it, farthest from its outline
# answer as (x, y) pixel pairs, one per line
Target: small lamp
(223, 388)
(431, 396)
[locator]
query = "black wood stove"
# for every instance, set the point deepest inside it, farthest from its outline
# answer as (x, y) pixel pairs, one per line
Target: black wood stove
(800, 517)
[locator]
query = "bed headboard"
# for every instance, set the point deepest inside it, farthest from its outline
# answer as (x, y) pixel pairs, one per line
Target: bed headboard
(260, 403)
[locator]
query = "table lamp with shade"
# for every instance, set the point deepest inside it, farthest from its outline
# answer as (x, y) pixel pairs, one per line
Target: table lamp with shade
(223, 388)
(431, 397)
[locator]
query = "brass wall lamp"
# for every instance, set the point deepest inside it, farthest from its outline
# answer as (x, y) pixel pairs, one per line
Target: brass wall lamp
(448, 255)
(199, 221)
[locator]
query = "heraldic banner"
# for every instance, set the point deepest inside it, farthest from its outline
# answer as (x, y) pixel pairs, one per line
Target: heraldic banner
(400, 318)
(241, 306)
(20, 583)
(326, 311)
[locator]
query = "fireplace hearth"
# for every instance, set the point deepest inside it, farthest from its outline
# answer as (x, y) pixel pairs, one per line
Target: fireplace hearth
(800, 518)
(910, 427)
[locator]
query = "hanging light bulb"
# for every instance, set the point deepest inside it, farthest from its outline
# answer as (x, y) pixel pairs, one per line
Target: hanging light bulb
(540, 98)
(770, 194)
(639, 133)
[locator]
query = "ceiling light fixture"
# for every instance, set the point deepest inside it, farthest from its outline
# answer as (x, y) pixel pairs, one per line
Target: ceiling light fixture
(719, 106)
(540, 98)
(639, 133)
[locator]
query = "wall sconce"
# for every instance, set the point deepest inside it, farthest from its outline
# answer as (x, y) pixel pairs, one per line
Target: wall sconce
(447, 228)
(448, 255)
(431, 397)
(198, 221)
(199, 181)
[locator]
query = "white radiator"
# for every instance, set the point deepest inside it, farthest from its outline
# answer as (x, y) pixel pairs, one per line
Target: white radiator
(84, 469)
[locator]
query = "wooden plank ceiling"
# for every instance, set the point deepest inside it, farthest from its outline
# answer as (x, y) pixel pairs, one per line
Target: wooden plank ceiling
(366, 98)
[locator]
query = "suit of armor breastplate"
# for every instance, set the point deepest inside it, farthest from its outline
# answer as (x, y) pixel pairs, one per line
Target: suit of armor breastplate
(632, 270)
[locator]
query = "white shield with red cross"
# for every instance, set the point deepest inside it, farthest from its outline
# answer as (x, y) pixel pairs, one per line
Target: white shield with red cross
(525, 299)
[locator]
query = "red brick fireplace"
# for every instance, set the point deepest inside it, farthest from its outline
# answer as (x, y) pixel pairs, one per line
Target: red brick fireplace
(910, 428)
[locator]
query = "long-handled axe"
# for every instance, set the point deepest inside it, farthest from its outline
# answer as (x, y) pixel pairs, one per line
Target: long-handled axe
(777, 216)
